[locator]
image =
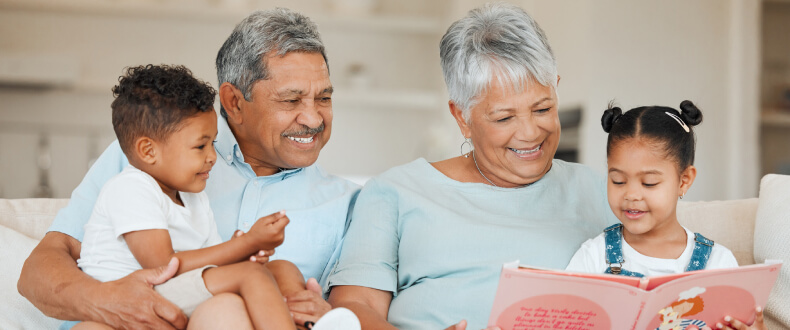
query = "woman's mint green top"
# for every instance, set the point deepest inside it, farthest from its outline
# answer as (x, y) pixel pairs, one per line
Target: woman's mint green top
(438, 244)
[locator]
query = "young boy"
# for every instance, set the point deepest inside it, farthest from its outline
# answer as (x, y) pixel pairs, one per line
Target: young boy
(155, 209)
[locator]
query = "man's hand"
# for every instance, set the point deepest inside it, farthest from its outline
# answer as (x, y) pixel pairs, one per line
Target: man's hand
(269, 232)
(131, 302)
(308, 305)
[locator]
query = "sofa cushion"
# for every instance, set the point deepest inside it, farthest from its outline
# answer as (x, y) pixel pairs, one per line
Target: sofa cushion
(17, 312)
(771, 241)
(729, 223)
(31, 216)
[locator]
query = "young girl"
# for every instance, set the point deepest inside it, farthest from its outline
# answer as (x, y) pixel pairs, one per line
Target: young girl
(650, 155)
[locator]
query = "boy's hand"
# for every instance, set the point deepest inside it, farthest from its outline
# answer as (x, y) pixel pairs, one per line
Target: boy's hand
(269, 231)
(262, 256)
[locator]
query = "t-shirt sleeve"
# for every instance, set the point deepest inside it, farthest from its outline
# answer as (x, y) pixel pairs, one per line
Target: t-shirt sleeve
(587, 259)
(721, 257)
(131, 204)
(369, 255)
(213, 235)
(71, 219)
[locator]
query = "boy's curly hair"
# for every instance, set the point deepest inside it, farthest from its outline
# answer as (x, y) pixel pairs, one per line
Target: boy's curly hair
(154, 100)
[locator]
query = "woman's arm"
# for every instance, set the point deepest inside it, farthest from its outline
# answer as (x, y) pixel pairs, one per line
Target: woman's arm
(370, 305)
(51, 280)
(153, 248)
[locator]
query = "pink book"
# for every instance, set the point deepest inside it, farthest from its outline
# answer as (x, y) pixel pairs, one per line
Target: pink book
(530, 298)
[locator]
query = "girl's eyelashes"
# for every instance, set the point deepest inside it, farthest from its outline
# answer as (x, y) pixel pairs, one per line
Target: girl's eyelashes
(617, 182)
(650, 184)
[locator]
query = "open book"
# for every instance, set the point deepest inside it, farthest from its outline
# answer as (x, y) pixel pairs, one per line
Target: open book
(530, 298)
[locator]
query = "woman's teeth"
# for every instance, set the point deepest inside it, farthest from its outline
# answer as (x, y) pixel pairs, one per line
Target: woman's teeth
(301, 140)
(525, 152)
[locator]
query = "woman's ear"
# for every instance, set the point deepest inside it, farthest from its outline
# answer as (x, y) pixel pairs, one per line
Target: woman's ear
(687, 179)
(459, 118)
(231, 98)
(145, 149)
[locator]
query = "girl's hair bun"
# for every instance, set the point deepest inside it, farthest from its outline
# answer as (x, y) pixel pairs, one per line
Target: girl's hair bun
(690, 114)
(609, 117)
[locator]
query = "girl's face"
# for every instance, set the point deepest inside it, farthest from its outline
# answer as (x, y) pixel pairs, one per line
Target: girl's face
(644, 185)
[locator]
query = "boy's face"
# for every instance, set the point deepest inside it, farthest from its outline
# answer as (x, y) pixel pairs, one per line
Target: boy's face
(184, 160)
(289, 117)
(643, 187)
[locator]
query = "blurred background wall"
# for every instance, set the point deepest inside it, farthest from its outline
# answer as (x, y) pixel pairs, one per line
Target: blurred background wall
(59, 59)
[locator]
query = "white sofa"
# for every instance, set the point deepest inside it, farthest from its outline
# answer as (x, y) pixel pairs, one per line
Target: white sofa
(754, 229)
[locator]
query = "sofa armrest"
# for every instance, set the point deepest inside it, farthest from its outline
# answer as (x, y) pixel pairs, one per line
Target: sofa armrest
(30, 217)
(729, 223)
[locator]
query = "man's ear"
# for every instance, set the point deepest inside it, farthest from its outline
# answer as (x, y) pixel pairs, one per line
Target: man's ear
(687, 179)
(459, 118)
(145, 149)
(231, 99)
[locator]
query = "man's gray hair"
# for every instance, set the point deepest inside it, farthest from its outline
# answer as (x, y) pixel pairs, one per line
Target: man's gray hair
(241, 60)
(499, 40)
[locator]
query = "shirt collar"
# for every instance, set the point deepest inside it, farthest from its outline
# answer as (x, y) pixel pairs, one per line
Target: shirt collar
(228, 148)
(226, 143)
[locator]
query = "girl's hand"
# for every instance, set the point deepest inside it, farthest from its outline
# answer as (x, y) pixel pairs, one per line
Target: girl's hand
(730, 323)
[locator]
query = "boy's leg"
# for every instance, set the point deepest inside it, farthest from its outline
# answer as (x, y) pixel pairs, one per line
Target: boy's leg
(223, 311)
(256, 285)
(289, 278)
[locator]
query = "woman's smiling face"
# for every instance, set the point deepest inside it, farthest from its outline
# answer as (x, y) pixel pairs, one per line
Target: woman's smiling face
(515, 134)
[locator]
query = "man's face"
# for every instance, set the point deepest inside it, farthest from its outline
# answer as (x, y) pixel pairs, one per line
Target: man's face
(289, 118)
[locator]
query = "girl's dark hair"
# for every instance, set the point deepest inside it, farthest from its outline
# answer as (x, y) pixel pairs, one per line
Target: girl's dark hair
(663, 125)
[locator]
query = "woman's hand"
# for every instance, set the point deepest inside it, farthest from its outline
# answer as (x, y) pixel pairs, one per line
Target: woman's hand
(731, 323)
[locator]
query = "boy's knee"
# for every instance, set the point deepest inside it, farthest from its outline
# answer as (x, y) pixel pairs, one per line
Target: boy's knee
(279, 264)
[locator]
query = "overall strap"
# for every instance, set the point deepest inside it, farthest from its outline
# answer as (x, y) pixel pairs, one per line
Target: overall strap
(613, 237)
(702, 249)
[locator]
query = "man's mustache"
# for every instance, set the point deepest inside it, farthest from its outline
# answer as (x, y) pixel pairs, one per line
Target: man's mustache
(304, 131)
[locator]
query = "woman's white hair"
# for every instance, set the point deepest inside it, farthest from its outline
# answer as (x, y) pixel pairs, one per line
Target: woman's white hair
(497, 40)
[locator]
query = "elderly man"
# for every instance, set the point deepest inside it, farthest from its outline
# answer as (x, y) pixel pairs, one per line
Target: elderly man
(276, 115)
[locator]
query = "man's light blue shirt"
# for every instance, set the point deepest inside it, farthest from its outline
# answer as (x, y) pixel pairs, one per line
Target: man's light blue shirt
(317, 203)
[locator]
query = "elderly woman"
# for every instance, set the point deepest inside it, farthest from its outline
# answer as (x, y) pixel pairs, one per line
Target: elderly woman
(427, 240)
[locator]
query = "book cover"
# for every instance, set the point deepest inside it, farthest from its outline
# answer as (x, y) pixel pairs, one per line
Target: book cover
(531, 298)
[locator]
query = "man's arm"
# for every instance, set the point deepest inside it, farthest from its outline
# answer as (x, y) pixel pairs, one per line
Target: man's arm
(51, 280)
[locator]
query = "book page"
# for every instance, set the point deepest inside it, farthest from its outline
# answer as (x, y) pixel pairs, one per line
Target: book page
(704, 297)
(531, 300)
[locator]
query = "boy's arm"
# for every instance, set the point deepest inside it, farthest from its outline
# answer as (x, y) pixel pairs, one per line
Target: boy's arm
(153, 248)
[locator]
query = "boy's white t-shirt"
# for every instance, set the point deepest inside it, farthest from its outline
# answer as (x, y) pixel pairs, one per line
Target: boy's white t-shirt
(591, 258)
(133, 201)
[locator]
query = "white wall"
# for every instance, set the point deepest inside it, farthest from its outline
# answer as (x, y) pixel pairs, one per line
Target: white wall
(637, 52)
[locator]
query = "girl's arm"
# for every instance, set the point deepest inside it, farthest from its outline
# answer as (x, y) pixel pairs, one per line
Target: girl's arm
(153, 248)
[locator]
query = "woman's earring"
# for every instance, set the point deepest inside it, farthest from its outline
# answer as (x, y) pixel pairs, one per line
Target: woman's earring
(681, 196)
(469, 142)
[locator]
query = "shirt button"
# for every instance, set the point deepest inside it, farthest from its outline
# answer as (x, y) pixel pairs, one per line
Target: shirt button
(246, 224)
(228, 157)
(238, 153)
(255, 183)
